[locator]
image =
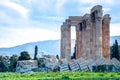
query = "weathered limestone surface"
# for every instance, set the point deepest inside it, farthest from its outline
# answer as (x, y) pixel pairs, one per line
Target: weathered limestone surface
(6, 60)
(92, 35)
(66, 40)
(26, 65)
(97, 14)
(116, 63)
(63, 64)
(51, 62)
(101, 61)
(106, 36)
(78, 41)
(82, 64)
(74, 65)
(64, 67)
(90, 64)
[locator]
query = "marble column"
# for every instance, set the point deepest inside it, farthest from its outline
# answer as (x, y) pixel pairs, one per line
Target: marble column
(106, 36)
(66, 40)
(96, 15)
(78, 41)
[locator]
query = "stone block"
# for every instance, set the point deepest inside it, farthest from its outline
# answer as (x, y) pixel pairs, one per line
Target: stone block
(74, 66)
(82, 64)
(116, 63)
(26, 65)
(51, 62)
(64, 67)
(90, 64)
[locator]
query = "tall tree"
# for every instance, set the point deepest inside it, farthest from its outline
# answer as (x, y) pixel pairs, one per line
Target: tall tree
(115, 51)
(36, 52)
(24, 56)
(13, 62)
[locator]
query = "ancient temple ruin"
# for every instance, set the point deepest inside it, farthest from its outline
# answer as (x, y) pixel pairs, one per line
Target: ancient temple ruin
(92, 35)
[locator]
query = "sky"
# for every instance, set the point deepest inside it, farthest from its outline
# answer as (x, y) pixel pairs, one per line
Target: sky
(24, 21)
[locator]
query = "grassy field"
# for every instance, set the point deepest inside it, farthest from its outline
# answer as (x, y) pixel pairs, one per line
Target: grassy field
(61, 76)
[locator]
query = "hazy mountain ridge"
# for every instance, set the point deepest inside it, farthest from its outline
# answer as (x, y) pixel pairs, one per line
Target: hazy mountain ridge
(44, 47)
(47, 47)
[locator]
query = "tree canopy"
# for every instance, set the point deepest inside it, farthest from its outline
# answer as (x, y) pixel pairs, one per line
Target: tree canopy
(24, 56)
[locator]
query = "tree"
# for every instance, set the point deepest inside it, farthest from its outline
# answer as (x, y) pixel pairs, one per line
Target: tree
(0, 59)
(0, 63)
(36, 52)
(57, 56)
(74, 54)
(13, 62)
(24, 56)
(115, 51)
(4, 64)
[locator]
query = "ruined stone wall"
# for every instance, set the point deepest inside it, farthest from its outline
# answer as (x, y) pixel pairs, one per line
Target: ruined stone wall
(92, 35)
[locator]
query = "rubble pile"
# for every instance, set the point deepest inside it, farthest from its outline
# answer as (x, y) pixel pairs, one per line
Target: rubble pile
(80, 64)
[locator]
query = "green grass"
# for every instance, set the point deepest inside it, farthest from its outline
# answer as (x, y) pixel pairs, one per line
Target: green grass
(61, 76)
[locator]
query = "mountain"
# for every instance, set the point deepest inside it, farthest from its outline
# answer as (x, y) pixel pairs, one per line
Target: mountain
(47, 47)
(44, 47)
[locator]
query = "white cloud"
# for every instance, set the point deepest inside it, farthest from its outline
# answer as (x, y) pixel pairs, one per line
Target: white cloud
(50, 17)
(106, 10)
(59, 5)
(43, 4)
(17, 7)
(84, 10)
(115, 29)
(4, 18)
(94, 2)
(13, 37)
(16, 36)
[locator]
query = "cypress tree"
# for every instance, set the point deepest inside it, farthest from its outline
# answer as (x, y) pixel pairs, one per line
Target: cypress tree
(115, 51)
(36, 52)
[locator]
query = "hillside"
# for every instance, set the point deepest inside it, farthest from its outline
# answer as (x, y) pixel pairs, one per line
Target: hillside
(44, 47)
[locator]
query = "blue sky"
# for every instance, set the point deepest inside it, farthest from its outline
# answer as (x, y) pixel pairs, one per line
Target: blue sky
(23, 21)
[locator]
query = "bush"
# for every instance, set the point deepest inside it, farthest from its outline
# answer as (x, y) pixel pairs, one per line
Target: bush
(103, 68)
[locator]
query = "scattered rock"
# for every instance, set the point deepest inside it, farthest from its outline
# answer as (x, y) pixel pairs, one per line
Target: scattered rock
(26, 66)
